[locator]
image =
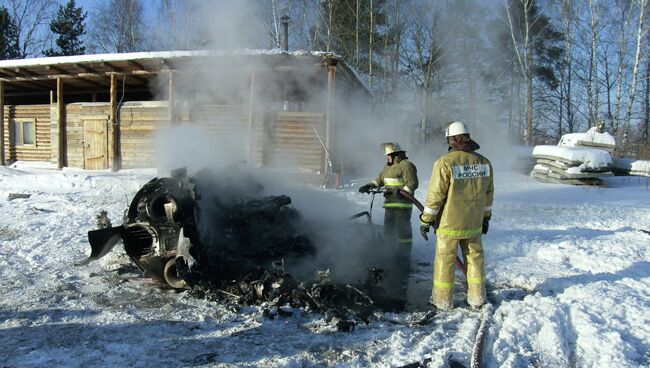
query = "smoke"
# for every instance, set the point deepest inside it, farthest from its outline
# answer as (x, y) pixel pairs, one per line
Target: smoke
(213, 102)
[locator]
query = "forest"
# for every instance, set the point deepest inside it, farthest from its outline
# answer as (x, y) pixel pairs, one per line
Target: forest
(525, 69)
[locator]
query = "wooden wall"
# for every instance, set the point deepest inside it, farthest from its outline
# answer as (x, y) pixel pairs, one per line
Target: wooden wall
(231, 122)
(77, 115)
(40, 151)
(138, 123)
(292, 141)
(282, 140)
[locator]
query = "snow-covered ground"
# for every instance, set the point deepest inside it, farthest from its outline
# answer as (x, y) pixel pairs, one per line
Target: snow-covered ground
(568, 271)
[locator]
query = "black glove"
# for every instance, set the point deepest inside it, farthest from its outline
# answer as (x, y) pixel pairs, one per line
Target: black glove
(424, 229)
(366, 188)
(486, 225)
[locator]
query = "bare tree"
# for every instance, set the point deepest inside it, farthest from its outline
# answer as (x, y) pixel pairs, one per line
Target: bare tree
(533, 39)
(118, 26)
(32, 19)
(566, 70)
(303, 26)
(422, 59)
(524, 53)
(176, 28)
(625, 15)
(646, 120)
(592, 80)
(642, 29)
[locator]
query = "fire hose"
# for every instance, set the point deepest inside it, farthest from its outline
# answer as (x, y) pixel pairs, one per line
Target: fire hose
(409, 197)
(477, 350)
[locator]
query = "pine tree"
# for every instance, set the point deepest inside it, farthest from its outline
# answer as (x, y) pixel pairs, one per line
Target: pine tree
(9, 45)
(69, 25)
(354, 29)
(536, 47)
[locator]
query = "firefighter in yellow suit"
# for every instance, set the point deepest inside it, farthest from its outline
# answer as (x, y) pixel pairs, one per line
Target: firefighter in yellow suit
(399, 173)
(459, 206)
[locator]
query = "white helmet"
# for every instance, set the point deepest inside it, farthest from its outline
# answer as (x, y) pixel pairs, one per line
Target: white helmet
(456, 128)
(391, 147)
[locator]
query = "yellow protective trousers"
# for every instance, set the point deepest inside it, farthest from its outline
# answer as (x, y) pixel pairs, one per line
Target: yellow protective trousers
(443, 271)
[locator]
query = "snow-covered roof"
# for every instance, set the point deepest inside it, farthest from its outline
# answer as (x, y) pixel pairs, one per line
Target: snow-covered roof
(85, 71)
(137, 56)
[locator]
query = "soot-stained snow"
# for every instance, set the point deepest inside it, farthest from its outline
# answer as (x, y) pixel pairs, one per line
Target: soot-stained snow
(567, 270)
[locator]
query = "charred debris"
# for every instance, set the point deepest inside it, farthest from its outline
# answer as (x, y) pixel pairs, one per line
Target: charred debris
(216, 235)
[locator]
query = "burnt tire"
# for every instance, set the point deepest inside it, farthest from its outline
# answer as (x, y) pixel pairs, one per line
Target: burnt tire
(171, 275)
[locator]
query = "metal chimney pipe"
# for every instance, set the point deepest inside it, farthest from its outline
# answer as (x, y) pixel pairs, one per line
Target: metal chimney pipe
(285, 33)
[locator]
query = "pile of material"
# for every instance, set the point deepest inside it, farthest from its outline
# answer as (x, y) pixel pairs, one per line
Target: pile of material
(591, 139)
(216, 235)
(578, 159)
(627, 166)
(571, 165)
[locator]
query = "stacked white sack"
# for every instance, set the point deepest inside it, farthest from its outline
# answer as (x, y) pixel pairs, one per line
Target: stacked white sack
(591, 139)
(630, 166)
(571, 165)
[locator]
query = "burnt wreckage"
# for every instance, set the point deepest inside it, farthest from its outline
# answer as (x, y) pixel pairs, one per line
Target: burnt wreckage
(218, 236)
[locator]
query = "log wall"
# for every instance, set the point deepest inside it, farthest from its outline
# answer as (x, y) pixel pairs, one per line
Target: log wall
(138, 123)
(40, 150)
(75, 116)
(287, 141)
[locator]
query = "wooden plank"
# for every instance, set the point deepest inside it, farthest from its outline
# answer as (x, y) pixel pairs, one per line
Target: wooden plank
(127, 129)
(95, 150)
(114, 126)
(95, 117)
(60, 108)
(3, 161)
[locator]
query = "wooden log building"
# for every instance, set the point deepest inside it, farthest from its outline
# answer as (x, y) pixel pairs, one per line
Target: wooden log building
(98, 112)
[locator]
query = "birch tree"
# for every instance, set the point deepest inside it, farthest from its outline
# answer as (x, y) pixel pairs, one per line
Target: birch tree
(177, 25)
(118, 26)
(422, 59)
(566, 70)
(32, 20)
(534, 40)
(642, 29)
(625, 14)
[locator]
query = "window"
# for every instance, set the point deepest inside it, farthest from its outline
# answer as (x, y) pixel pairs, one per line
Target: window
(23, 133)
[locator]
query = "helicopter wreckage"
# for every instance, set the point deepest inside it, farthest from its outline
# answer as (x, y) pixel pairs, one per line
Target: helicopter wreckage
(217, 236)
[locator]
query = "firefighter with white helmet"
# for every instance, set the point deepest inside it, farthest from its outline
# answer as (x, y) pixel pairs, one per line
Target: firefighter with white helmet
(399, 173)
(459, 206)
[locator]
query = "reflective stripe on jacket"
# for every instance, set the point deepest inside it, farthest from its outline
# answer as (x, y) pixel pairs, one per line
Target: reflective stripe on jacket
(460, 194)
(403, 175)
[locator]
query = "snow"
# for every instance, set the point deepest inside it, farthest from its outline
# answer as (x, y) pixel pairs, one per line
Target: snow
(567, 270)
(632, 165)
(92, 58)
(591, 137)
(591, 158)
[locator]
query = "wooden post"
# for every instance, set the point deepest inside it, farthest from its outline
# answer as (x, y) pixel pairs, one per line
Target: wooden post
(251, 116)
(331, 73)
(170, 88)
(3, 161)
(60, 109)
(117, 163)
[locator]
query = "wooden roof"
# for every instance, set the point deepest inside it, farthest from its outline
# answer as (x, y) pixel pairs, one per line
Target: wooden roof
(88, 73)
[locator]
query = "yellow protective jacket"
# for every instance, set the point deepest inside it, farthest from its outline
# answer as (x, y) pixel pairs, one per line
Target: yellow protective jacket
(460, 194)
(401, 174)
